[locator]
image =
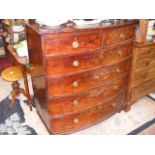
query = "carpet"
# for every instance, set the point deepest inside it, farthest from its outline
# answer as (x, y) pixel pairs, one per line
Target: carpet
(12, 121)
(147, 128)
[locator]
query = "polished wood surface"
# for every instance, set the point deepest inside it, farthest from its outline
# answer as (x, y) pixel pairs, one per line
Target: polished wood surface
(119, 35)
(87, 79)
(88, 116)
(72, 43)
(80, 76)
(143, 89)
(145, 58)
(37, 72)
(84, 99)
(76, 62)
(144, 75)
(142, 71)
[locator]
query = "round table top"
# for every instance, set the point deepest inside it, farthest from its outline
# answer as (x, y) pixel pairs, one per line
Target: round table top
(13, 73)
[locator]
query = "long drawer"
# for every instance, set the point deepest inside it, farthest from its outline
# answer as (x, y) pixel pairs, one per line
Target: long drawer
(118, 35)
(143, 76)
(72, 42)
(143, 89)
(72, 63)
(86, 80)
(85, 99)
(87, 117)
(145, 58)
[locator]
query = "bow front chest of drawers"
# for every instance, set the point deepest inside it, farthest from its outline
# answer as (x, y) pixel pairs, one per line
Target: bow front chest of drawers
(79, 75)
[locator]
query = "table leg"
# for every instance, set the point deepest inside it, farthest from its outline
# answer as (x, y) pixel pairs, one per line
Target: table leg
(29, 101)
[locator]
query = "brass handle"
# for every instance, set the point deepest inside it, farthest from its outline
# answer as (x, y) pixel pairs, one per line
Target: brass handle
(115, 87)
(76, 63)
(76, 120)
(96, 77)
(114, 104)
(120, 53)
(75, 102)
(75, 84)
(122, 35)
(118, 70)
(75, 43)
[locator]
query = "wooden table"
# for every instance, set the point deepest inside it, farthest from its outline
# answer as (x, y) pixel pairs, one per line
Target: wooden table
(22, 62)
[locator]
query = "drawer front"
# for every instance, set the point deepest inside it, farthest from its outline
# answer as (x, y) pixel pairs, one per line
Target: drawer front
(87, 117)
(86, 80)
(145, 58)
(143, 89)
(78, 101)
(73, 63)
(72, 43)
(143, 75)
(118, 35)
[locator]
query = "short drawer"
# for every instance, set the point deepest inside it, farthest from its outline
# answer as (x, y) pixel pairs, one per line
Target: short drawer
(118, 35)
(86, 80)
(145, 52)
(72, 43)
(76, 102)
(143, 89)
(145, 57)
(143, 75)
(87, 60)
(87, 117)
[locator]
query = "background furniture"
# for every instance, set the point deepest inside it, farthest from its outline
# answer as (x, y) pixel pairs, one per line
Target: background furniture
(79, 75)
(143, 71)
(142, 79)
(142, 30)
(22, 62)
(6, 38)
(13, 74)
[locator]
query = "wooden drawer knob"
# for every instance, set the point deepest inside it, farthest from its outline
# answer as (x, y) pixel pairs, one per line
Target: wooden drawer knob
(118, 70)
(120, 53)
(114, 104)
(76, 120)
(76, 63)
(75, 84)
(75, 102)
(75, 43)
(115, 87)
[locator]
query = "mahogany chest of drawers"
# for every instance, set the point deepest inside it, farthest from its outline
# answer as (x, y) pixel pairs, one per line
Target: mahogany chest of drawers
(142, 72)
(80, 76)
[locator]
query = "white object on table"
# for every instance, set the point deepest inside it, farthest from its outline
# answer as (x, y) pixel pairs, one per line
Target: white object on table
(22, 49)
(51, 22)
(87, 22)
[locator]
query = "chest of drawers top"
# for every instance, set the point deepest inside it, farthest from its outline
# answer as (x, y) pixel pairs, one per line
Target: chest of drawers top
(70, 40)
(40, 29)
